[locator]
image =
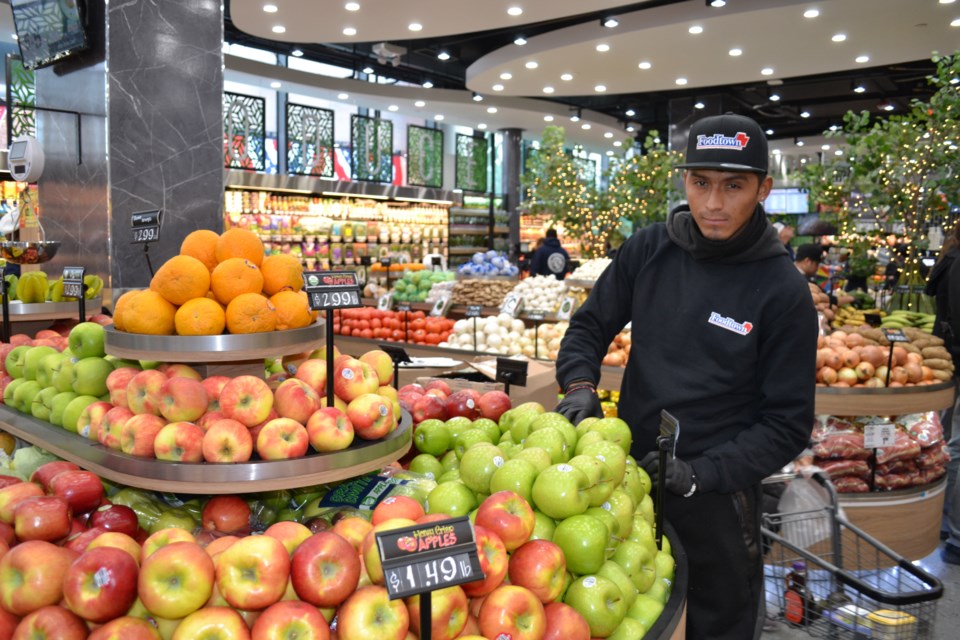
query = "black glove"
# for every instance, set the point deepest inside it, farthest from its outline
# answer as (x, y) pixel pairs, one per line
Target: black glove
(579, 405)
(678, 478)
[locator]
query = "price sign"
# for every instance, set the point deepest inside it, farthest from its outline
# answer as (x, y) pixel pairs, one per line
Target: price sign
(436, 262)
(145, 226)
(880, 435)
(512, 304)
(441, 306)
(566, 308)
(384, 301)
(403, 306)
(510, 371)
(536, 316)
(332, 289)
(474, 311)
(895, 335)
(385, 263)
(902, 288)
(73, 282)
(428, 557)
(873, 319)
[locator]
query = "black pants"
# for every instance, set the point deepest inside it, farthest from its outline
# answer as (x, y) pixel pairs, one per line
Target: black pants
(721, 536)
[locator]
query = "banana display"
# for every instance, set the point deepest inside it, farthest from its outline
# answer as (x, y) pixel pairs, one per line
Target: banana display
(34, 287)
(849, 315)
(900, 319)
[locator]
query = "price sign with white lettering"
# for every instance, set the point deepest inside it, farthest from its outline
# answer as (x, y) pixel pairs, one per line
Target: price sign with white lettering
(427, 557)
(512, 304)
(895, 335)
(880, 435)
(403, 307)
(73, 282)
(536, 316)
(566, 308)
(332, 289)
(474, 310)
(441, 306)
(145, 226)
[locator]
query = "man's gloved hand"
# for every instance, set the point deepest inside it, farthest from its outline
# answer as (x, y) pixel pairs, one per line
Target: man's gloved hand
(579, 405)
(678, 478)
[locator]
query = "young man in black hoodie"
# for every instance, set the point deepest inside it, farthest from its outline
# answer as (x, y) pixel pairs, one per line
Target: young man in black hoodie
(724, 338)
(551, 258)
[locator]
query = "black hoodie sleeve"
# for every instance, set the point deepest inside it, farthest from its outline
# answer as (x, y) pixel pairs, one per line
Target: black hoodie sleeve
(952, 286)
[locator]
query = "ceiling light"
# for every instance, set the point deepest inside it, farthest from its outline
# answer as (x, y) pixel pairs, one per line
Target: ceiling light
(531, 64)
(610, 22)
(955, 22)
(947, 1)
(887, 107)
(769, 132)
(766, 71)
(515, 11)
(699, 105)
(566, 77)
(776, 152)
(16, 37)
(393, 107)
(681, 81)
(774, 97)
(343, 96)
(520, 41)
(297, 53)
(838, 152)
(420, 104)
(862, 59)
(717, 4)
(477, 97)
(506, 75)
(427, 85)
(798, 142)
(482, 126)
(629, 113)
(368, 70)
(352, 6)
(497, 87)
(491, 109)
(839, 37)
(548, 89)
(585, 126)
(608, 134)
(270, 8)
(275, 85)
(825, 147)
(349, 31)
(609, 152)
(443, 56)
(548, 118)
(834, 127)
(438, 117)
(804, 114)
(600, 88)
(576, 116)
(631, 128)
(735, 52)
(617, 143)
(859, 89)
(644, 65)
(603, 47)
(811, 13)
(279, 28)
(695, 29)
(415, 26)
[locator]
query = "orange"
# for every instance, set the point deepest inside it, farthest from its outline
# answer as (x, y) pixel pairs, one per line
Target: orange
(120, 305)
(281, 271)
(181, 278)
(148, 312)
(239, 243)
(234, 276)
(200, 317)
(293, 310)
(202, 245)
(250, 313)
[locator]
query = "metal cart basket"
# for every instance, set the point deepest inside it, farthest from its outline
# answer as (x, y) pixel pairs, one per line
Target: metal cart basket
(826, 576)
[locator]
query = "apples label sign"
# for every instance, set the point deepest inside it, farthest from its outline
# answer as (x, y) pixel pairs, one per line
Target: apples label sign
(877, 436)
(73, 282)
(536, 316)
(328, 290)
(145, 226)
(403, 307)
(427, 557)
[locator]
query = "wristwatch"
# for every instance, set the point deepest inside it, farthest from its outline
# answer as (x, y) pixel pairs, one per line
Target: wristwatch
(693, 486)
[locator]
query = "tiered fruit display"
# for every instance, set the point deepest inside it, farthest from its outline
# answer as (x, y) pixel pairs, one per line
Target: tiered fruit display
(859, 358)
(393, 326)
(414, 286)
(438, 401)
(218, 283)
(36, 286)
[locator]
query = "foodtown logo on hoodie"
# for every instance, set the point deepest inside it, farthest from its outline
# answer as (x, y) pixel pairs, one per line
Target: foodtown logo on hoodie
(743, 328)
(720, 141)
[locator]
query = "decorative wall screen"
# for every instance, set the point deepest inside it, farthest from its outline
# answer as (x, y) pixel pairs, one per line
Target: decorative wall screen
(309, 141)
(472, 160)
(424, 157)
(21, 89)
(244, 131)
(371, 145)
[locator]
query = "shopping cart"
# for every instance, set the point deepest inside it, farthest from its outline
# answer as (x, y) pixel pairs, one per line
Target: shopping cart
(826, 576)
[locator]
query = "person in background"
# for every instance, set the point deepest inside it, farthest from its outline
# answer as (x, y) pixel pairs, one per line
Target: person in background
(944, 285)
(724, 338)
(807, 262)
(786, 232)
(551, 259)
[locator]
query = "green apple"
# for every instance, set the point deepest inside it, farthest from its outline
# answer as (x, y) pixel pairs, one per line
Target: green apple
(629, 629)
(535, 407)
(149, 364)
(610, 453)
(457, 425)
(490, 427)
(451, 498)
(621, 505)
(550, 439)
(40, 408)
(174, 518)
(543, 527)
(659, 591)
(584, 425)
(608, 519)
(644, 476)
(86, 340)
(71, 413)
(10, 389)
(632, 481)
(478, 464)
(23, 396)
(615, 573)
(411, 491)
(615, 430)
(14, 361)
(47, 368)
(559, 423)
(600, 476)
(665, 543)
(432, 436)
(537, 456)
(515, 475)
(642, 531)
(520, 425)
(584, 542)
(453, 475)
(645, 508)
(120, 363)
(506, 436)
(637, 561)
(665, 565)
(426, 464)
(509, 449)
(560, 491)
(600, 603)
(586, 439)
(32, 360)
(450, 460)
(466, 439)
(645, 610)
(58, 405)
(64, 374)
(91, 376)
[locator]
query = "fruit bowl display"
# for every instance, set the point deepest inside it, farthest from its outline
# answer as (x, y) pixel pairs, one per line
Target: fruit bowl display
(29, 252)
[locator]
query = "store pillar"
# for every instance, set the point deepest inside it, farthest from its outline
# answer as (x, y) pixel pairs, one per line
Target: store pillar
(512, 170)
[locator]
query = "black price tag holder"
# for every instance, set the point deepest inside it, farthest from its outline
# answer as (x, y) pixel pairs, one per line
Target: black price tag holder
(893, 336)
(73, 287)
(474, 311)
(873, 319)
(144, 229)
(537, 318)
(421, 559)
(510, 371)
(666, 443)
(5, 337)
(327, 291)
(399, 355)
(385, 263)
(436, 263)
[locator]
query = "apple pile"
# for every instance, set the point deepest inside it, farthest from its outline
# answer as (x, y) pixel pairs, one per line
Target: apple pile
(438, 401)
(860, 357)
(389, 325)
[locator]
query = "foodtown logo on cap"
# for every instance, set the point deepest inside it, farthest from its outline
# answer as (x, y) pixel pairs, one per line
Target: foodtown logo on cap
(743, 328)
(720, 141)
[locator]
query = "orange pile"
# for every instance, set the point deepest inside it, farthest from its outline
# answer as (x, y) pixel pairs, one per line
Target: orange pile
(218, 282)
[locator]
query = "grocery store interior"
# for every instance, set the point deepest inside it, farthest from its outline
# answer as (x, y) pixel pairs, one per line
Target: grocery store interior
(208, 206)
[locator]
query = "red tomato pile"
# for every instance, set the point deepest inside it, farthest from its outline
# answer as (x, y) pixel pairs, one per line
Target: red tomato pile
(389, 325)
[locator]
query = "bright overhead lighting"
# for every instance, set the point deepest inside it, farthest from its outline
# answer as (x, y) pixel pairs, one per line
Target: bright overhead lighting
(825, 147)
(548, 89)
(610, 23)
(532, 64)
(609, 152)
(16, 37)
(774, 97)
(497, 87)
(279, 28)
(839, 37)
(343, 96)
(270, 8)
(717, 4)
(393, 107)
(548, 118)
(695, 29)
(585, 126)
(603, 47)
(644, 65)
(947, 1)
(631, 128)
(776, 152)
(859, 89)
(438, 117)
(575, 117)
(427, 85)
(520, 41)
(275, 85)
(600, 88)
(735, 52)
(443, 56)
(699, 105)
(608, 134)
(477, 97)
(681, 81)
(769, 132)
(420, 104)
(566, 77)
(766, 71)
(629, 113)
(506, 75)
(862, 59)
(515, 11)
(352, 6)
(804, 114)
(415, 26)
(491, 109)
(296, 53)
(955, 23)
(838, 152)
(798, 142)
(811, 13)
(618, 143)
(368, 70)
(349, 31)
(887, 107)
(482, 126)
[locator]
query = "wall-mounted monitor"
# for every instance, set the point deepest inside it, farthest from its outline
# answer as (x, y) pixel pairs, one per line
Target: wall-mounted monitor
(787, 200)
(49, 30)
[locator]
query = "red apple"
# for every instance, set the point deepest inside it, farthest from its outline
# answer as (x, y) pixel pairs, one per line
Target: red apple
(440, 385)
(207, 419)
(227, 440)
(163, 537)
(509, 516)
(324, 569)
(79, 542)
(125, 628)
(564, 623)
(51, 623)
(213, 623)
(178, 370)
(117, 540)
(314, 373)
(396, 507)
(7, 535)
(42, 518)
(494, 404)
(289, 619)
(101, 584)
(176, 580)
(353, 378)
(214, 385)
(329, 429)
(295, 399)
(13, 494)
(290, 533)
(90, 419)
(381, 363)
(372, 416)
(227, 514)
(540, 566)
(437, 393)
(369, 614)
(139, 433)
(428, 407)
(82, 490)
(448, 613)
(115, 517)
(353, 529)
(117, 383)
(179, 442)
(253, 572)
(111, 427)
(143, 391)
(49, 470)
(493, 563)
(8, 624)
(6, 481)
(246, 399)
(282, 439)
(31, 576)
(463, 403)
(182, 399)
(513, 611)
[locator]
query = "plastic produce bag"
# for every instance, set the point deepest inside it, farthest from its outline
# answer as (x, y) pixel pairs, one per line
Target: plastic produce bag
(805, 518)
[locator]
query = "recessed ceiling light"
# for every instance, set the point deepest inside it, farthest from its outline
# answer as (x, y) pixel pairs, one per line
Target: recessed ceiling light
(279, 28)
(491, 109)
(275, 85)
(717, 4)
(644, 65)
(947, 1)
(548, 118)
(631, 128)
(776, 152)
(834, 127)
(368, 70)
(629, 113)
(887, 107)
(859, 89)
(603, 47)
(600, 88)
(343, 96)
(699, 105)
(548, 89)
(766, 71)
(769, 132)
(393, 107)
(575, 117)
(16, 37)
(811, 13)
(609, 152)
(775, 97)
(608, 134)
(427, 85)
(515, 11)
(506, 75)
(585, 126)
(477, 97)
(270, 8)
(735, 52)
(352, 6)
(617, 143)
(610, 23)
(497, 87)
(566, 77)
(804, 114)
(681, 81)
(532, 64)
(520, 41)
(420, 104)
(349, 31)
(443, 56)
(415, 26)
(297, 53)
(438, 117)
(862, 59)
(838, 152)
(695, 29)
(798, 142)
(839, 37)
(482, 126)
(825, 147)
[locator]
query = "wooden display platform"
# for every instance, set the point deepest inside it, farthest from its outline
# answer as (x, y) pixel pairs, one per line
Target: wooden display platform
(896, 401)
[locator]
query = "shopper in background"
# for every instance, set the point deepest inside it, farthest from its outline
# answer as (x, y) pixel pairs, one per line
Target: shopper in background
(807, 262)
(551, 259)
(725, 339)
(786, 232)
(944, 284)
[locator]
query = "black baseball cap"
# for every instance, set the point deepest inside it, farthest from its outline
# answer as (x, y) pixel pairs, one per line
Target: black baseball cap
(811, 251)
(727, 143)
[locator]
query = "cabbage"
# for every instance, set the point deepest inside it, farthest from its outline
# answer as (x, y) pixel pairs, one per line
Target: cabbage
(26, 460)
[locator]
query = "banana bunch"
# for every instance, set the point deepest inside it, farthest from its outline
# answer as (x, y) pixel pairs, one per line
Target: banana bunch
(849, 315)
(32, 287)
(55, 291)
(900, 318)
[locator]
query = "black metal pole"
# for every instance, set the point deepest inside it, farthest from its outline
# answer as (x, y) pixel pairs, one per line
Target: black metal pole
(83, 303)
(6, 313)
(661, 478)
(426, 615)
(330, 398)
(889, 364)
(146, 254)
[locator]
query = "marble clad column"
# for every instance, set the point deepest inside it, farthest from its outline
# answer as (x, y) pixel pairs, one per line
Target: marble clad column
(165, 134)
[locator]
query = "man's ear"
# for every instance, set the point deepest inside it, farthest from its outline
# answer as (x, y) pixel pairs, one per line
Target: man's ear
(764, 189)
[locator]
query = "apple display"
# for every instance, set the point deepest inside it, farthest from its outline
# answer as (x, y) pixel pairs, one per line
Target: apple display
(91, 376)
(214, 386)
(176, 580)
(46, 472)
(117, 383)
(477, 466)
(82, 490)
(551, 440)
(115, 517)
(226, 514)
(543, 528)
(600, 603)
(428, 407)
(182, 399)
(540, 566)
(126, 628)
(111, 426)
(610, 453)
(246, 399)
(396, 506)
(517, 475)
(584, 541)
(227, 441)
(448, 613)
(561, 491)
(12, 495)
(329, 429)
(468, 438)
(90, 419)
(314, 373)
(179, 442)
(59, 403)
(32, 359)
(138, 433)
(282, 439)
(638, 561)
(381, 363)
(353, 378)
(143, 391)
(42, 518)
(645, 609)
(514, 612)
(494, 404)
(325, 569)
(565, 623)
(295, 399)
(86, 340)
(508, 515)
(162, 538)
(101, 584)
(369, 614)
(212, 623)
(118, 540)
(289, 533)
(31, 576)
(493, 563)
(371, 416)
(252, 573)
(289, 619)
(49, 623)
(616, 574)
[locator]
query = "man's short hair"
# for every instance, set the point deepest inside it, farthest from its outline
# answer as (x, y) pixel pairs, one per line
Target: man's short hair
(809, 251)
(551, 233)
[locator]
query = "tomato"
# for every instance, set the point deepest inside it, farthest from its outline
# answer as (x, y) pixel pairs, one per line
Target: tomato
(375, 323)
(397, 334)
(419, 323)
(366, 333)
(345, 331)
